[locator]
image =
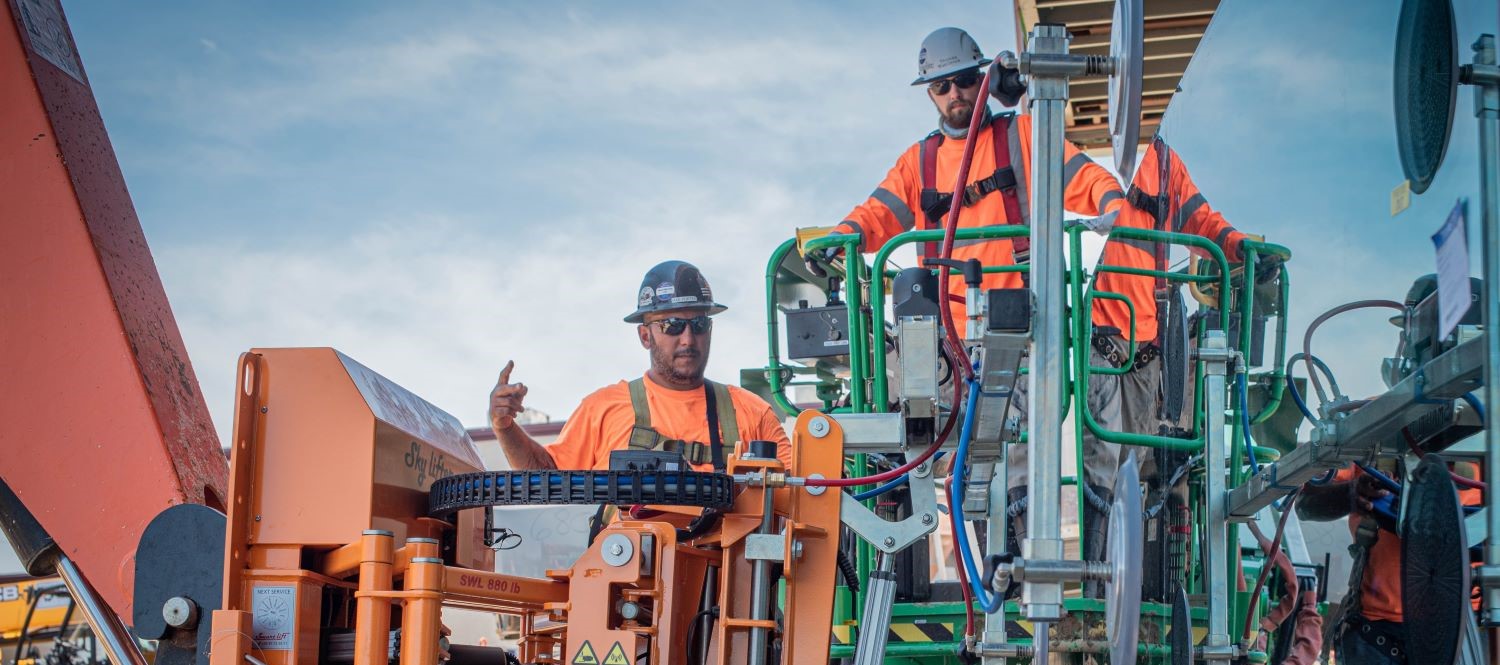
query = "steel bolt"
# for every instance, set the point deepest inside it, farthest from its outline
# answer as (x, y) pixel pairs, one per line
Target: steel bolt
(629, 611)
(616, 549)
(927, 518)
(818, 426)
(796, 549)
(179, 612)
(890, 542)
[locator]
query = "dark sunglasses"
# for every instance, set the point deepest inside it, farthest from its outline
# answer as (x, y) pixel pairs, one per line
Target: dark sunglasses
(674, 326)
(964, 81)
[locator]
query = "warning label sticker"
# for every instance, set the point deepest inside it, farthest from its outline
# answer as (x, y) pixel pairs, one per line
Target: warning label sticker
(586, 655)
(616, 656)
(274, 611)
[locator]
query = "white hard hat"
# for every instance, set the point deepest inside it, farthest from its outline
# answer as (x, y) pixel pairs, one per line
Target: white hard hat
(945, 52)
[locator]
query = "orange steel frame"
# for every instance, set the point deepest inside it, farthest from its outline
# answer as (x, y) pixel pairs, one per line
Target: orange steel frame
(302, 401)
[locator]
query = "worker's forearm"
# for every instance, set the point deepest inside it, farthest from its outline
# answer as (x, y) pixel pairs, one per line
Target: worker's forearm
(522, 451)
(1323, 503)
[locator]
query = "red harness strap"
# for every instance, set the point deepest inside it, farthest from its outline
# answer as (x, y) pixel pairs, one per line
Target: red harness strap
(935, 203)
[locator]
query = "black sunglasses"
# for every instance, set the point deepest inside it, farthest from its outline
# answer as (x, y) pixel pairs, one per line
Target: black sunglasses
(963, 80)
(674, 326)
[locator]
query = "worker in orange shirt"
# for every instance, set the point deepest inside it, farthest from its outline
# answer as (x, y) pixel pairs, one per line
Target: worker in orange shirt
(1162, 197)
(671, 407)
(917, 194)
(1372, 630)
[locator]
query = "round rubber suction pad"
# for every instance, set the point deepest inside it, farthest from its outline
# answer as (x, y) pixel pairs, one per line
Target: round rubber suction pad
(1426, 87)
(1434, 564)
(1127, 47)
(1122, 593)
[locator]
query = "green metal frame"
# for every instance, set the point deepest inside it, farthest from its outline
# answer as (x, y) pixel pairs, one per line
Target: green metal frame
(867, 389)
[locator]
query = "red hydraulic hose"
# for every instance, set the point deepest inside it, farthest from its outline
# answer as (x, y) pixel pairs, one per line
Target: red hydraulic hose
(893, 473)
(981, 110)
(963, 577)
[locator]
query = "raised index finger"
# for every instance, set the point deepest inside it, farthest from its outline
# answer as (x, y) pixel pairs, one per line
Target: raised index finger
(505, 373)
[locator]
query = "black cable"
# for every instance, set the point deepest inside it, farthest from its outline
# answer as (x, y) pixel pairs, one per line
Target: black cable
(847, 569)
(693, 624)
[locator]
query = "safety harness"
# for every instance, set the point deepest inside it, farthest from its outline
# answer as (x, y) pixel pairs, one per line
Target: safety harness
(723, 432)
(1171, 338)
(936, 202)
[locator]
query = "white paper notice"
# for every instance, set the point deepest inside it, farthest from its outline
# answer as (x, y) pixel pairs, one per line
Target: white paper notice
(1454, 294)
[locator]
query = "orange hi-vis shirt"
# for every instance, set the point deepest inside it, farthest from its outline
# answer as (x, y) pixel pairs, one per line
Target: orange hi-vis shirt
(1380, 592)
(1188, 212)
(602, 423)
(895, 206)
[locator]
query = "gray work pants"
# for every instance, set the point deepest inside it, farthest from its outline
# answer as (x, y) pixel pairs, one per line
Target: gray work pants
(1100, 459)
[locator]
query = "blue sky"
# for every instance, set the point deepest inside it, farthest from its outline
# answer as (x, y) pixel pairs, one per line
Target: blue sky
(436, 189)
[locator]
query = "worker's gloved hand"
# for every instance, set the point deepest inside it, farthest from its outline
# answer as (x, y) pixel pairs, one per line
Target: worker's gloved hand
(815, 259)
(1267, 266)
(1364, 491)
(1101, 224)
(505, 401)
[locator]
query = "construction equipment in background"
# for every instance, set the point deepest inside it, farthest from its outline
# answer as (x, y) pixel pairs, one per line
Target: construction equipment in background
(39, 625)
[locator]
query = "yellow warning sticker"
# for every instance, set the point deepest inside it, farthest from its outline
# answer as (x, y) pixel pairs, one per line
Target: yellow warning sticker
(616, 656)
(586, 655)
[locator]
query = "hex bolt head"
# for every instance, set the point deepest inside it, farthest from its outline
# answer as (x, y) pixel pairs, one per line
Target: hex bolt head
(616, 549)
(818, 426)
(629, 610)
(179, 612)
(927, 518)
(796, 549)
(890, 542)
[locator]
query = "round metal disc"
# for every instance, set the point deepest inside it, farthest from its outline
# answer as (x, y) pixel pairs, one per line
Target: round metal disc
(1122, 593)
(1181, 637)
(1426, 87)
(1434, 564)
(1127, 47)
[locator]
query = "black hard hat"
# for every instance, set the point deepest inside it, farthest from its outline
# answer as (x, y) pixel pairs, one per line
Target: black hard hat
(673, 285)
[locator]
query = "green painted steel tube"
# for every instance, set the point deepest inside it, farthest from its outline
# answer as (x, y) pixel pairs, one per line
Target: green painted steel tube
(1088, 308)
(773, 332)
(1278, 373)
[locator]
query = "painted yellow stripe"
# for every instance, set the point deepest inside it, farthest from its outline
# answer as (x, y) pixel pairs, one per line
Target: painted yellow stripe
(906, 632)
(843, 634)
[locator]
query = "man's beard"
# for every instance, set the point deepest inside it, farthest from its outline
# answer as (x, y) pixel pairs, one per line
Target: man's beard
(958, 115)
(661, 359)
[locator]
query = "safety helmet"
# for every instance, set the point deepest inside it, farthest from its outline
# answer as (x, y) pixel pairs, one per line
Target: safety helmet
(673, 285)
(945, 52)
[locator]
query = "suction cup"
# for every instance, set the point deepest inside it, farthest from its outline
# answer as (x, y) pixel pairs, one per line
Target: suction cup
(1434, 565)
(1426, 87)
(1122, 594)
(1127, 48)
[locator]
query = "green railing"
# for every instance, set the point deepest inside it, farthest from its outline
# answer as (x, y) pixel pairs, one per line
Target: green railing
(868, 390)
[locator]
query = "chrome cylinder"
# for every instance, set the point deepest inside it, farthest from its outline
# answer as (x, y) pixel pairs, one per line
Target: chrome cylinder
(875, 622)
(1487, 110)
(117, 642)
(1214, 352)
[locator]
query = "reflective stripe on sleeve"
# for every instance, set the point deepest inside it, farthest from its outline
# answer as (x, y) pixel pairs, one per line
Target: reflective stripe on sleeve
(1108, 198)
(1071, 168)
(896, 206)
(1223, 235)
(1187, 211)
(1146, 246)
(1013, 138)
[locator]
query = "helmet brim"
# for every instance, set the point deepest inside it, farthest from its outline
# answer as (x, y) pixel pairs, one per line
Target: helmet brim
(639, 316)
(945, 73)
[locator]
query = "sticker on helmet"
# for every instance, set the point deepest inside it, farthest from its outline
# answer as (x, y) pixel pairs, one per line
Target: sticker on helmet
(647, 293)
(665, 291)
(683, 299)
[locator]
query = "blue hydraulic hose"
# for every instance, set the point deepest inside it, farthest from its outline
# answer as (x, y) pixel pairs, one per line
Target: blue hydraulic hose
(1245, 422)
(1478, 408)
(988, 604)
(890, 485)
(1291, 387)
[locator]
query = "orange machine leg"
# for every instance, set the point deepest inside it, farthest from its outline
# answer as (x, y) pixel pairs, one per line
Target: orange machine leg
(372, 609)
(424, 609)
